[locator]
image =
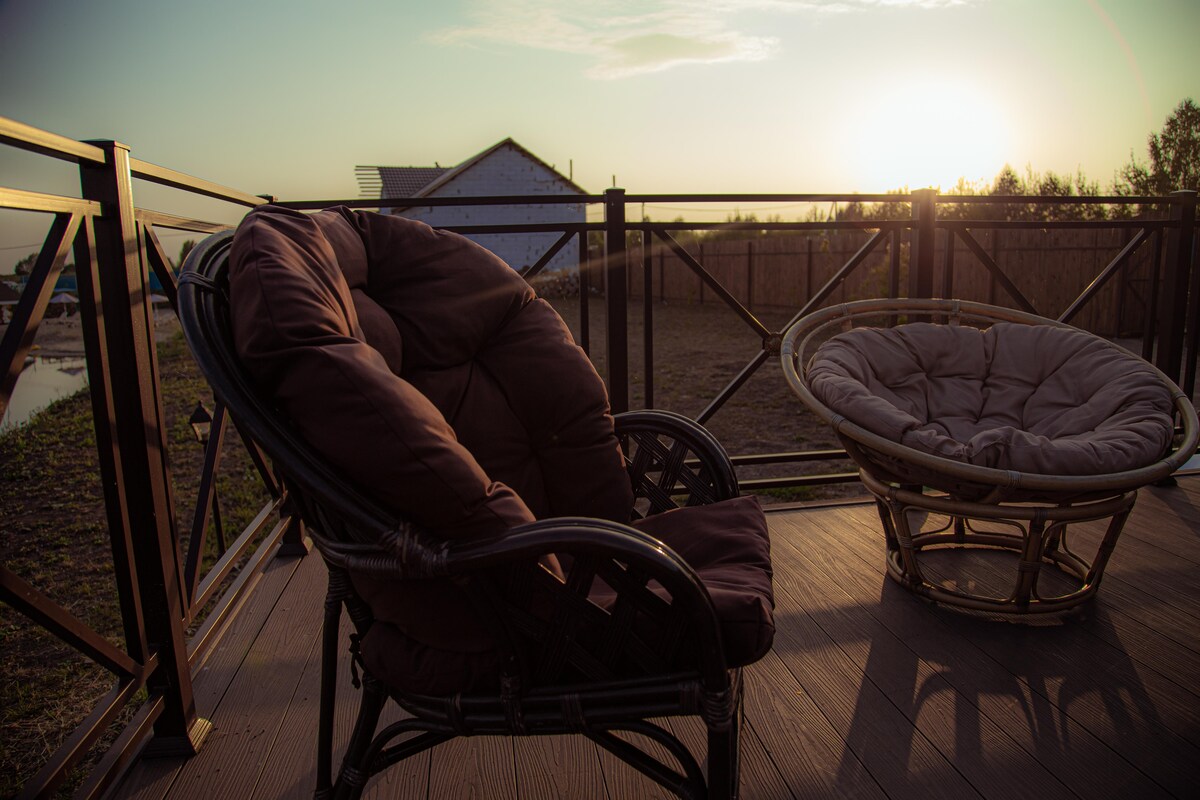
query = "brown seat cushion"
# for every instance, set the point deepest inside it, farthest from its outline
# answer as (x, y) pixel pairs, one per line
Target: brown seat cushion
(413, 360)
(726, 543)
(1031, 398)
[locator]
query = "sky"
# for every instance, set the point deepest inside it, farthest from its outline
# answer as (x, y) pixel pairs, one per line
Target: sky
(286, 97)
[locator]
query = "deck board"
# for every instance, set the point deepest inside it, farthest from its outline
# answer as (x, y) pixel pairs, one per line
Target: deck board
(1142, 718)
(153, 777)
(979, 749)
(868, 693)
(983, 689)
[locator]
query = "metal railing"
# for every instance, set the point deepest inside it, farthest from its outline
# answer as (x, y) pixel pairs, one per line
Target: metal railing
(1170, 337)
(116, 249)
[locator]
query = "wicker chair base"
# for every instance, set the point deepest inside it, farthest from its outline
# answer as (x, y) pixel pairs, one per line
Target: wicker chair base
(1037, 533)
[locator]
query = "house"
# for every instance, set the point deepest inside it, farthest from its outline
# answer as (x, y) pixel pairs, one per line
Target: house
(505, 168)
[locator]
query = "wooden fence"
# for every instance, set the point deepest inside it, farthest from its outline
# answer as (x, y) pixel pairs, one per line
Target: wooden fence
(1051, 267)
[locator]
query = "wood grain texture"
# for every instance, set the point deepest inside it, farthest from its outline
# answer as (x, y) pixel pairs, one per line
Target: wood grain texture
(868, 693)
(154, 777)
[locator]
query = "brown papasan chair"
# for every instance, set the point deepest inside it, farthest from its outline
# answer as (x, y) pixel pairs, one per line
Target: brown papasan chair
(1007, 426)
(451, 452)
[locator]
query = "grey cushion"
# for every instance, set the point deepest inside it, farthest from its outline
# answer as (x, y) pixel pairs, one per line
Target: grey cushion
(1030, 398)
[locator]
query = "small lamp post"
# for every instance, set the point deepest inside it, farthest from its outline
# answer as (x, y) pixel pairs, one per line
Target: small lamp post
(201, 422)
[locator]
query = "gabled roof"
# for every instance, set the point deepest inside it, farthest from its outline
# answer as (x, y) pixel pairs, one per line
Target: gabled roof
(395, 181)
(423, 181)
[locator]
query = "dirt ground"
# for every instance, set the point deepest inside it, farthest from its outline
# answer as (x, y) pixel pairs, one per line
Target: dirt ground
(697, 351)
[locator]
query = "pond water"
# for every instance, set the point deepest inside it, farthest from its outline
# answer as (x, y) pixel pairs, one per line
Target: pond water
(43, 382)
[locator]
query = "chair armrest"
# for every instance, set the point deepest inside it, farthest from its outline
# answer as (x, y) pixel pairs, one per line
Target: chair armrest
(673, 461)
(592, 547)
(525, 544)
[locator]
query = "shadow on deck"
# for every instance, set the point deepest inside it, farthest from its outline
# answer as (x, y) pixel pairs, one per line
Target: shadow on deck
(869, 692)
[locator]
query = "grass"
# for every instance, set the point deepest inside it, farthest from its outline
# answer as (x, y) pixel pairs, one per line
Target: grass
(55, 537)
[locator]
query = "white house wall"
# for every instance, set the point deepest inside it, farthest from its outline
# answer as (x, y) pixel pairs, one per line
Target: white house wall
(508, 171)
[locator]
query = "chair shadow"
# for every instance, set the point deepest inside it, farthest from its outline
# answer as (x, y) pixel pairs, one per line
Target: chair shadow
(1178, 502)
(1056, 690)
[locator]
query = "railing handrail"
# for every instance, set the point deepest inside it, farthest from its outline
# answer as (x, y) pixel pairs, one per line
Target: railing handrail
(180, 180)
(457, 200)
(700, 198)
(35, 140)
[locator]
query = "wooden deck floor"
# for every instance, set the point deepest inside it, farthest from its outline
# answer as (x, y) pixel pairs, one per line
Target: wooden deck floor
(868, 692)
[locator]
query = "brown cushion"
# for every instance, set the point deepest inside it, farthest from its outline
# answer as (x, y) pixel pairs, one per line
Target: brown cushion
(1030, 398)
(398, 353)
(726, 543)
(297, 330)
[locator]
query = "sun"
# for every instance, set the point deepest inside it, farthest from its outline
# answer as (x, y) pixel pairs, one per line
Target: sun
(927, 133)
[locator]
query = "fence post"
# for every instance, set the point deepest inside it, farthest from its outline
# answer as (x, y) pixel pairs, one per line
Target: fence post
(616, 270)
(585, 291)
(948, 266)
(750, 276)
(894, 267)
(131, 441)
(1179, 272)
(808, 272)
(924, 243)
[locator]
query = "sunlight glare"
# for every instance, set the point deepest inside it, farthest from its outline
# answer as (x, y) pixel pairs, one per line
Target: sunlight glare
(927, 133)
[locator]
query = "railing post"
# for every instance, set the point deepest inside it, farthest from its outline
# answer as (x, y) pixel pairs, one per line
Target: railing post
(894, 267)
(750, 276)
(616, 269)
(808, 271)
(924, 243)
(585, 292)
(131, 441)
(948, 266)
(1180, 269)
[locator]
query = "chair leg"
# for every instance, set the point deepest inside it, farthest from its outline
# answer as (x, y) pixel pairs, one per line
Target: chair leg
(724, 768)
(355, 769)
(329, 641)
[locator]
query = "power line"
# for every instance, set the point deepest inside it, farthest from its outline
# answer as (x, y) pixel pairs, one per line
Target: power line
(38, 245)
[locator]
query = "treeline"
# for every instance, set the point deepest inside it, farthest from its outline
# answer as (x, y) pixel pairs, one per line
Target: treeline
(1173, 164)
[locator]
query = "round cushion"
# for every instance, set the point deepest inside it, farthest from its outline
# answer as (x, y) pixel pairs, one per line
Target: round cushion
(1030, 398)
(413, 361)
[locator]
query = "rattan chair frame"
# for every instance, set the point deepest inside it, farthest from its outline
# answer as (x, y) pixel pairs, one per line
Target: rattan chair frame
(1029, 513)
(582, 670)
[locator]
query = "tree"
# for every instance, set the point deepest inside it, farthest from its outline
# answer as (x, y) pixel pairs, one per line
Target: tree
(25, 265)
(186, 248)
(1174, 156)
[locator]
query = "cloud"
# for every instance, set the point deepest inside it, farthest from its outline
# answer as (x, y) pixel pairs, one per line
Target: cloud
(655, 52)
(624, 38)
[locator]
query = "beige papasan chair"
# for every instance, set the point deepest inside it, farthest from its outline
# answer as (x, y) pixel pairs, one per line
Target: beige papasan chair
(985, 428)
